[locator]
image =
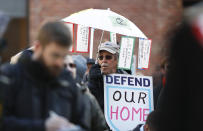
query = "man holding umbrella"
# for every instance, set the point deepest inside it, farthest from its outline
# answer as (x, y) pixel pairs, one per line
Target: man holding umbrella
(107, 61)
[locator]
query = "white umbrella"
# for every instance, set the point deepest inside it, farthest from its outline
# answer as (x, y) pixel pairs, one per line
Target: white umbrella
(105, 20)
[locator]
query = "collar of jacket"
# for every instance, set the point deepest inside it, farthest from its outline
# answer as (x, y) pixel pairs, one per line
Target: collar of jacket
(34, 68)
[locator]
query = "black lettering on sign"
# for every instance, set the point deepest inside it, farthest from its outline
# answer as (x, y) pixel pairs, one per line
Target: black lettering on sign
(132, 97)
(142, 96)
(118, 96)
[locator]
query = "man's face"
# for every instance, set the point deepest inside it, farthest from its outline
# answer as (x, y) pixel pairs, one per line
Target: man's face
(52, 56)
(108, 62)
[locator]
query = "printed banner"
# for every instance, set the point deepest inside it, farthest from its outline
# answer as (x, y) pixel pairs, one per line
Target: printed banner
(113, 37)
(126, 52)
(128, 100)
(144, 53)
(71, 28)
(83, 39)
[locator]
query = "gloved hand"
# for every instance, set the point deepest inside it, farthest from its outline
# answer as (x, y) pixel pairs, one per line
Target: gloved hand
(56, 122)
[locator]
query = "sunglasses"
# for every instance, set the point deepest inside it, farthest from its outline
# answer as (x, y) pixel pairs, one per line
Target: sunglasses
(107, 57)
(71, 65)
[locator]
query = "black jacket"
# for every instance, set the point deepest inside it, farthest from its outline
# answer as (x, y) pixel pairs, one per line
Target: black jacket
(137, 128)
(96, 83)
(98, 122)
(34, 93)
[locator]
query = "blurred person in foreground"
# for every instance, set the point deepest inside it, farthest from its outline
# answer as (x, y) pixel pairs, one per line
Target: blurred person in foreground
(42, 96)
(4, 81)
(181, 99)
(107, 61)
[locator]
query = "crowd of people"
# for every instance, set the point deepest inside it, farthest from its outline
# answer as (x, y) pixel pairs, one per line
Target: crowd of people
(43, 88)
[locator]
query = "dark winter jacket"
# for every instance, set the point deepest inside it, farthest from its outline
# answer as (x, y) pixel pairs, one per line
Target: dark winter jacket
(4, 82)
(96, 83)
(34, 93)
(98, 122)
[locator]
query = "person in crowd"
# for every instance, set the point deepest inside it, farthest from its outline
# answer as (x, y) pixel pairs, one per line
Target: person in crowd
(89, 64)
(70, 65)
(107, 61)
(182, 96)
(81, 67)
(98, 122)
(164, 68)
(159, 79)
(152, 123)
(42, 96)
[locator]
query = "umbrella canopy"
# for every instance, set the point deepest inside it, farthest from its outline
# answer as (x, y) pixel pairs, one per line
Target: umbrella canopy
(105, 20)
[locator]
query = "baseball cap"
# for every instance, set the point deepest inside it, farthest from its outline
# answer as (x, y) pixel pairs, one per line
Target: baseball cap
(109, 46)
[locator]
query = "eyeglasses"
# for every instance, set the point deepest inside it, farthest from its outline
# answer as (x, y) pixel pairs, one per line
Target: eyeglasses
(107, 57)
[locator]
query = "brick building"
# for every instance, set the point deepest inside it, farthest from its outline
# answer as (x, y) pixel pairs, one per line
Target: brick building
(155, 18)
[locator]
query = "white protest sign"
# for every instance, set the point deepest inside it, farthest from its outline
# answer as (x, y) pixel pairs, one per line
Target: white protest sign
(113, 37)
(126, 53)
(144, 53)
(71, 28)
(128, 100)
(91, 42)
(133, 67)
(83, 39)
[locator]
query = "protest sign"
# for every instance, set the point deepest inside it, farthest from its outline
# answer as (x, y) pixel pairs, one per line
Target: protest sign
(144, 53)
(83, 39)
(91, 42)
(113, 37)
(133, 67)
(128, 100)
(71, 28)
(126, 53)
